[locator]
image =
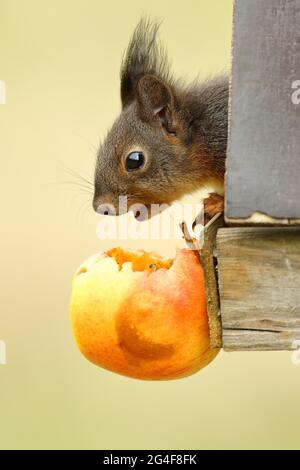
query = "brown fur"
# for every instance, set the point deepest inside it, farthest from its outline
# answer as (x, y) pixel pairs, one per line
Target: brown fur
(213, 205)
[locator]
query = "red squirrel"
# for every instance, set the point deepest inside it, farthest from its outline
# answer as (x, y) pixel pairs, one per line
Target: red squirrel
(170, 138)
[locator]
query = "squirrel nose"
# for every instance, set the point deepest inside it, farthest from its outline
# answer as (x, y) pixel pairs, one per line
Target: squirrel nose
(103, 208)
(106, 209)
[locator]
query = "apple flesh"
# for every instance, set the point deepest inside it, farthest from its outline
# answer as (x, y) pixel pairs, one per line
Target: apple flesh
(141, 315)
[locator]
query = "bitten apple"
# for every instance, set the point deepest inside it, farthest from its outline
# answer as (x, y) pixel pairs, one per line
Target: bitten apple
(141, 315)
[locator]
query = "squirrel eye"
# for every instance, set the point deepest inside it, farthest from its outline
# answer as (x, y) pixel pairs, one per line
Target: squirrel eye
(134, 161)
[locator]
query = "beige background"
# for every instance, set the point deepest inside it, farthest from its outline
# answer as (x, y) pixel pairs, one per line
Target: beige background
(60, 61)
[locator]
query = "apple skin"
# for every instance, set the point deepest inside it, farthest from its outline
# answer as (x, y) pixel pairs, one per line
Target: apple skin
(147, 325)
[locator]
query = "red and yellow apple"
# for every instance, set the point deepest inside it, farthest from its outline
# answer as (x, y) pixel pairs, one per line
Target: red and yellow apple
(141, 315)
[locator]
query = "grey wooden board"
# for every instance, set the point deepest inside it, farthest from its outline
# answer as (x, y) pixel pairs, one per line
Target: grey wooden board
(263, 162)
(259, 287)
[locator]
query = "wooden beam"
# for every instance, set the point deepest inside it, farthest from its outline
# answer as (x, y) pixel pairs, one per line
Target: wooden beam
(259, 286)
(208, 260)
(263, 161)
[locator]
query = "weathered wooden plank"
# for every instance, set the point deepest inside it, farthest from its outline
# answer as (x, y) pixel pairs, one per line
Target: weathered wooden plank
(259, 287)
(263, 162)
(208, 260)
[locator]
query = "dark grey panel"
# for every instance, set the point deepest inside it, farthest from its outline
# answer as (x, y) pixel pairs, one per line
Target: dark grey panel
(263, 165)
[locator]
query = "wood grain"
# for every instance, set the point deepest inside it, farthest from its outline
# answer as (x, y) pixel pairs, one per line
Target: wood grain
(208, 260)
(263, 161)
(259, 287)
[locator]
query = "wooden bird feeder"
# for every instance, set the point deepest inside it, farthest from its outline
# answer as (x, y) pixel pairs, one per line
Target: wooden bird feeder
(252, 259)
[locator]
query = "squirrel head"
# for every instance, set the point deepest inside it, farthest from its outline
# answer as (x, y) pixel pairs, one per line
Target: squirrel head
(150, 154)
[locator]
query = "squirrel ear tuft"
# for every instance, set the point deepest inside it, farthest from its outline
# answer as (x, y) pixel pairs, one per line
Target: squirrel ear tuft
(155, 99)
(144, 56)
